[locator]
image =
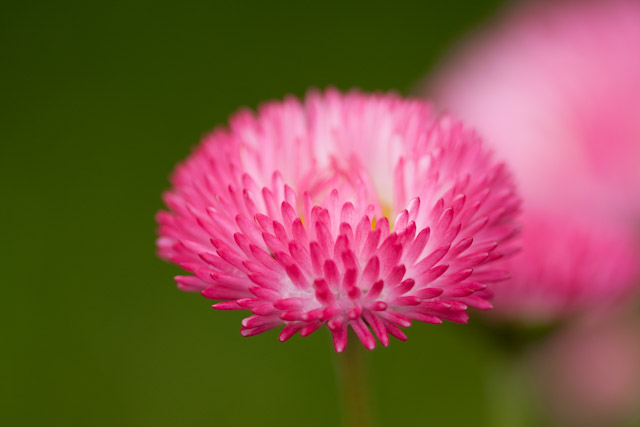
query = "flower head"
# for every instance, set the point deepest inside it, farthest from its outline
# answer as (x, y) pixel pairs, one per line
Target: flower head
(361, 211)
(588, 374)
(569, 264)
(554, 88)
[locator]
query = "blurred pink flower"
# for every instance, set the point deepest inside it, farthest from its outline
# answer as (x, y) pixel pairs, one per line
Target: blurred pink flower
(554, 88)
(287, 214)
(569, 265)
(589, 375)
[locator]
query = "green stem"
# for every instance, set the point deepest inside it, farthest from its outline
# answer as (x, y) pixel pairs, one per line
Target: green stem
(509, 393)
(353, 385)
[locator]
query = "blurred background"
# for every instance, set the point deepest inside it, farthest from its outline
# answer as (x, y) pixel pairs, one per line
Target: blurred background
(98, 102)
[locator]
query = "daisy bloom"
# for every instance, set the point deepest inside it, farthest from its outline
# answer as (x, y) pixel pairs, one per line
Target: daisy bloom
(344, 210)
(589, 375)
(554, 87)
(569, 264)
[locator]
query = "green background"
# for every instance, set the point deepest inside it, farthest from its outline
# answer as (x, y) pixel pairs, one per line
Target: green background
(97, 103)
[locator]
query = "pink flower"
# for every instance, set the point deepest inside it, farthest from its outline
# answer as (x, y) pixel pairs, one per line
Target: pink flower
(555, 89)
(589, 375)
(570, 264)
(361, 211)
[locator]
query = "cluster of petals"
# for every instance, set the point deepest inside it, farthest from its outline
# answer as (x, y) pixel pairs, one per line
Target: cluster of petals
(568, 264)
(554, 89)
(606, 347)
(346, 210)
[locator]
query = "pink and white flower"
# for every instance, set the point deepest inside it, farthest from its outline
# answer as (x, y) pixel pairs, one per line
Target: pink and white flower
(569, 265)
(589, 375)
(354, 210)
(554, 87)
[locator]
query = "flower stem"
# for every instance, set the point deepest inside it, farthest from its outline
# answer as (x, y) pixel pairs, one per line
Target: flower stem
(352, 381)
(507, 405)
